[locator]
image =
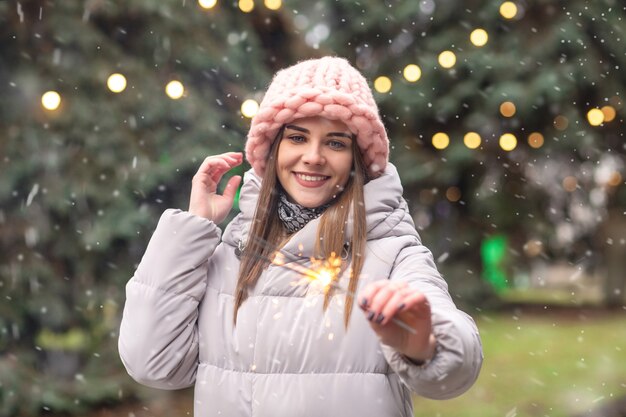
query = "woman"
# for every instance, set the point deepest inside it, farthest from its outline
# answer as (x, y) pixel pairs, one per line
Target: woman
(220, 312)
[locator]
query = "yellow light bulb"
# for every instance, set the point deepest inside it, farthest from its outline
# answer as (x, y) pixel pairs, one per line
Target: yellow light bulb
(609, 113)
(116, 83)
(174, 90)
(561, 122)
(51, 100)
(479, 37)
(440, 140)
(508, 142)
(453, 194)
(447, 59)
(570, 184)
(507, 109)
(535, 140)
(412, 73)
(382, 84)
(207, 4)
(249, 108)
(246, 6)
(273, 4)
(508, 10)
(595, 117)
(472, 140)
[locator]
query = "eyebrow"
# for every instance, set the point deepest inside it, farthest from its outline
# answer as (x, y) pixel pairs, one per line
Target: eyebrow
(303, 130)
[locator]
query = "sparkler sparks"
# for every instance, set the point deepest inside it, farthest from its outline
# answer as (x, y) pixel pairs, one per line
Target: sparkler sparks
(323, 275)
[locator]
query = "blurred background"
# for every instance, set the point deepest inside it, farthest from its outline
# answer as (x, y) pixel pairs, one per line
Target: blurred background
(506, 122)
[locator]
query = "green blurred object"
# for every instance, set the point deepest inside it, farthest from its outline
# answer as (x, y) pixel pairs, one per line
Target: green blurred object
(493, 253)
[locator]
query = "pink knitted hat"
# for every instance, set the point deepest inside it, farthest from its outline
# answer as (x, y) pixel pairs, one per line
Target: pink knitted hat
(329, 87)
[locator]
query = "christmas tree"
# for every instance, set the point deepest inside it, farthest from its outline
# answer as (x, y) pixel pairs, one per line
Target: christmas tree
(505, 119)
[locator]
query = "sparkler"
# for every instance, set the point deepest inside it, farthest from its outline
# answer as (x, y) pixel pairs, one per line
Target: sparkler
(324, 274)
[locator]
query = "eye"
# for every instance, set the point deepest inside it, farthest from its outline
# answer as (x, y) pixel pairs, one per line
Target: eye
(336, 144)
(296, 138)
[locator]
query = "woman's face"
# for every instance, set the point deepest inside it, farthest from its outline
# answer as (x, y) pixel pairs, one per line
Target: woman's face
(314, 160)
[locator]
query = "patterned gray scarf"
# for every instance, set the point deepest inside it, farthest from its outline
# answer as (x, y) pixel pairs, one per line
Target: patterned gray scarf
(294, 216)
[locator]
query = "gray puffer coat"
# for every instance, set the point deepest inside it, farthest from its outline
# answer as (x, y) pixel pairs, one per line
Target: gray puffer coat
(286, 356)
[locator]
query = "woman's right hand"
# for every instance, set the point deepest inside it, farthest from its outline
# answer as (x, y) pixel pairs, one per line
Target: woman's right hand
(204, 200)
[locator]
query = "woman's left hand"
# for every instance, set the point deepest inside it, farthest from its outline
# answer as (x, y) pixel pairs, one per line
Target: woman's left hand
(385, 301)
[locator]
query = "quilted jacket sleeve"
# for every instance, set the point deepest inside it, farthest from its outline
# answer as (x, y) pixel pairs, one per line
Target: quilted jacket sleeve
(158, 341)
(458, 358)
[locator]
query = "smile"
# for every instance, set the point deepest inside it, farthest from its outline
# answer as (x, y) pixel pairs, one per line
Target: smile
(312, 178)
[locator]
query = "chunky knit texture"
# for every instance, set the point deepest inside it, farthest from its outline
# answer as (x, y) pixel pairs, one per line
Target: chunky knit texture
(329, 87)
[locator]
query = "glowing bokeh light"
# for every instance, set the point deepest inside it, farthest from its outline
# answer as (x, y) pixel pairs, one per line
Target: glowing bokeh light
(535, 140)
(51, 100)
(273, 4)
(382, 84)
(246, 6)
(440, 140)
(570, 184)
(472, 140)
(507, 109)
(174, 89)
(207, 4)
(508, 10)
(249, 108)
(412, 73)
(447, 59)
(508, 142)
(609, 113)
(116, 83)
(479, 37)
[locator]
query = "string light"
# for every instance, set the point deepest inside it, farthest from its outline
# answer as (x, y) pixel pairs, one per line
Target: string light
(246, 6)
(561, 122)
(472, 140)
(507, 109)
(382, 84)
(273, 4)
(207, 4)
(595, 117)
(479, 37)
(249, 108)
(51, 100)
(440, 140)
(609, 113)
(533, 247)
(570, 184)
(535, 140)
(453, 194)
(174, 90)
(615, 179)
(116, 83)
(508, 10)
(412, 73)
(447, 59)
(508, 142)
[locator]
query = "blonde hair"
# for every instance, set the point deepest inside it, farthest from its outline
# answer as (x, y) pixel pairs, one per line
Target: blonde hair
(267, 230)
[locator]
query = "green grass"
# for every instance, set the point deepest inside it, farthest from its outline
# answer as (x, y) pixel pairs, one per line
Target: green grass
(552, 365)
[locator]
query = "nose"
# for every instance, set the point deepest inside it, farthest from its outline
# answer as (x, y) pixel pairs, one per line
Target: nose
(313, 155)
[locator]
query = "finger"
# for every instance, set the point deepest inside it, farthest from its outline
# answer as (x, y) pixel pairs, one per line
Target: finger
(379, 301)
(226, 160)
(395, 304)
(417, 303)
(366, 294)
(231, 187)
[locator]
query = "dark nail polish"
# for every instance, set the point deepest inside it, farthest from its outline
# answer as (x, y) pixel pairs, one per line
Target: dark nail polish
(370, 315)
(401, 306)
(380, 318)
(364, 302)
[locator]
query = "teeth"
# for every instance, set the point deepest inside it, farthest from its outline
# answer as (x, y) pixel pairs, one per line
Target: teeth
(310, 177)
